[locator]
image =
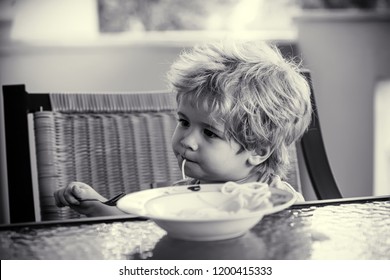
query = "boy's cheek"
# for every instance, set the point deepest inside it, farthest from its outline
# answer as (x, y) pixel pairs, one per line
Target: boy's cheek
(175, 148)
(174, 142)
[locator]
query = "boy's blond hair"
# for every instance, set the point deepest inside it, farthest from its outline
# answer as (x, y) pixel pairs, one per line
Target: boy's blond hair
(261, 98)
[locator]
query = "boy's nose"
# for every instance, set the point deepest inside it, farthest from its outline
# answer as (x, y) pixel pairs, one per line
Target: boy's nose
(189, 141)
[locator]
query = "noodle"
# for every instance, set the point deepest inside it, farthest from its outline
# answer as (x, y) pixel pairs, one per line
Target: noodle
(182, 169)
(251, 196)
(244, 198)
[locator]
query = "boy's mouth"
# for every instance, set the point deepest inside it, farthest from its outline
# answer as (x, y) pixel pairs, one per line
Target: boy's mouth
(186, 158)
(182, 157)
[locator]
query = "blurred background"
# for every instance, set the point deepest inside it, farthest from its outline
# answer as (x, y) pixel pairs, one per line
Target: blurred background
(128, 45)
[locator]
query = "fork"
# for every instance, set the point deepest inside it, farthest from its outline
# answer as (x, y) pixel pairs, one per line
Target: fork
(111, 202)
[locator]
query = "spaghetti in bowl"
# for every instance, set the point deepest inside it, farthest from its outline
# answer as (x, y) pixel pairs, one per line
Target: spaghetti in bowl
(209, 212)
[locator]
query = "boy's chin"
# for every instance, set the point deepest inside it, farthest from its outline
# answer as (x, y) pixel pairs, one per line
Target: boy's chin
(205, 178)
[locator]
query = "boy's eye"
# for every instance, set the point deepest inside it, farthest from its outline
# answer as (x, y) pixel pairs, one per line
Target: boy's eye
(210, 134)
(183, 122)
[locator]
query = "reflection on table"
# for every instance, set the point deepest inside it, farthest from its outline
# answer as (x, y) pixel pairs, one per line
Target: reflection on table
(335, 230)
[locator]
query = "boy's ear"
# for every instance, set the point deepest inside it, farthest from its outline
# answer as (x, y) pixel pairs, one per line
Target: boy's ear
(258, 157)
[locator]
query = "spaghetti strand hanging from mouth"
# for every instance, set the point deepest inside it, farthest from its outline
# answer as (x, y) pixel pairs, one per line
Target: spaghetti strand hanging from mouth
(183, 174)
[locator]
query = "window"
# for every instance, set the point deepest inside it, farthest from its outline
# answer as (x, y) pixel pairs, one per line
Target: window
(195, 15)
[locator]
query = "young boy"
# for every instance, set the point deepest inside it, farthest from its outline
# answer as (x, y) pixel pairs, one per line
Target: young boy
(240, 106)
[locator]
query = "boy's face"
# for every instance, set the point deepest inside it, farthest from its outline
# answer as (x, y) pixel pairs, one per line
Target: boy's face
(210, 156)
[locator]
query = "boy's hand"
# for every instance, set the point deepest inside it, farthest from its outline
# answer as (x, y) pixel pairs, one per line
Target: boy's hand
(73, 196)
(78, 196)
(74, 193)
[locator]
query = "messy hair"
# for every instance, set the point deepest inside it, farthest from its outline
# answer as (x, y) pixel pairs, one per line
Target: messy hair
(262, 98)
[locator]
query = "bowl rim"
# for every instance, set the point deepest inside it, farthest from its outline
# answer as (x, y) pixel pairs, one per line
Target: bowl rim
(134, 203)
(240, 216)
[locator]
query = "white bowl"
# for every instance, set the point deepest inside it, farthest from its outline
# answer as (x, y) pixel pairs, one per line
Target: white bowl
(164, 212)
(165, 207)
